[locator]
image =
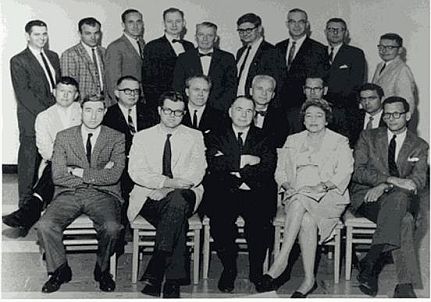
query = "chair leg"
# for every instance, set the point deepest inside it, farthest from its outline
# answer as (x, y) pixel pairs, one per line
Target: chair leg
(349, 246)
(196, 252)
(277, 241)
(113, 266)
(337, 255)
(135, 255)
(330, 254)
(266, 262)
(206, 251)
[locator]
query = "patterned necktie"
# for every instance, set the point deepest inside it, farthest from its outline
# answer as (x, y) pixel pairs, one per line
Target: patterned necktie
(96, 65)
(167, 155)
(291, 54)
(88, 148)
(48, 70)
(130, 122)
(241, 69)
(331, 55)
(370, 123)
(393, 170)
(240, 142)
(383, 68)
(195, 119)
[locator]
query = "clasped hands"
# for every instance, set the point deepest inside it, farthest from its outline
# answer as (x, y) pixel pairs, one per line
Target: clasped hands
(169, 185)
(245, 160)
(79, 172)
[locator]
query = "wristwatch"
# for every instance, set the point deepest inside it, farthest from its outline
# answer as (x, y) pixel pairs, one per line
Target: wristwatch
(389, 187)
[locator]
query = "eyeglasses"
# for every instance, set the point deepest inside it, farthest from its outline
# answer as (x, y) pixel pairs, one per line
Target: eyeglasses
(246, 30)
(300, 22)
(335, 30)
(387, 47)
(313, 89)
(177, 113)
(395, 115)
(128, 91)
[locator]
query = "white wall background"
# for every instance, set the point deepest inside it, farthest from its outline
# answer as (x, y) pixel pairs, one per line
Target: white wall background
(367, 20)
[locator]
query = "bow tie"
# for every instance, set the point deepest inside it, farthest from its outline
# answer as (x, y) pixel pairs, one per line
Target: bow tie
(177, 41)
(261, 113)
(205, 54)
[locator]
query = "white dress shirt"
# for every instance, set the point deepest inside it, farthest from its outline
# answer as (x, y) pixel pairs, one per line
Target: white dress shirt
(399, 141)
(376, 119)
(177, 46)
(36, 53)
(244, 74)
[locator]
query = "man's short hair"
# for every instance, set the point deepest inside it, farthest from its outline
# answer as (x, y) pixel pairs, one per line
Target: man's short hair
(207, 24)
(172, 96)
(372, 87)
(261, 77)
(198, 76)
(317, 76)
(88, 21)
(93, 98)
(128, 11)
(337, 20)
(243, 97)
(250, 18)
(32, 23)
(322, 104)
(127, 77)
(392, 36)
(397, 99)
(68, 81)
(298, 10)
(172, 10)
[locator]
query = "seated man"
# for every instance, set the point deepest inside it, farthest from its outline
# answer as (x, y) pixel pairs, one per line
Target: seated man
(65, 113)
(240, 181)
(87, 164)
(390, 169)
(167, 164)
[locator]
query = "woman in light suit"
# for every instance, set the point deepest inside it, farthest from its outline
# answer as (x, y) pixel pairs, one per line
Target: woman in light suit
(313, 169)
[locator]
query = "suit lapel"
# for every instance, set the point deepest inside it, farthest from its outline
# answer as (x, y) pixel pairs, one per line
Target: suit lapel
(79, 145)
(102, 139)
(169, 47)
(81, 52)
(35, 65)
(130, 47)
(404, 153)
(382, 147)
(215, 58)
(301, 51)
(196, 61)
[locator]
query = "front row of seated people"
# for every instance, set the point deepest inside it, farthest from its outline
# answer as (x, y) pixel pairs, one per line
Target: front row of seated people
(170, 166)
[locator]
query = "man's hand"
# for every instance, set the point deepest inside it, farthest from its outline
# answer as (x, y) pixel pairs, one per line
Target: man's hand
(374, 194)
(313, 189)
(109, 165)
(247, 159)
(403, 183)
(177, 183)
(159, 194)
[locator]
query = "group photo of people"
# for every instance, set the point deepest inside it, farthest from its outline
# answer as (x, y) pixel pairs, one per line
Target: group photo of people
(232, 119)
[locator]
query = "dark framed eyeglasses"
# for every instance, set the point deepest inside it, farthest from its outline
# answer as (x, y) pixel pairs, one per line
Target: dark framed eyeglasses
(387, 47)
(168, 111)
(128, 91)
(246, 30)
(395, 115)
(313, 89)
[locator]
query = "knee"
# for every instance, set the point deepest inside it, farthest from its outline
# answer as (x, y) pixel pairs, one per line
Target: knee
(295, 206)
(44, 226)
(180, 200)
(112, 228)
(308, 222)
(407, 221)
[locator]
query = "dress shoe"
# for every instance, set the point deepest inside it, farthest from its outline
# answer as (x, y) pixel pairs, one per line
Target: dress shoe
(226, 283)
(106, 283)
(298, 294)
(266, 284)
(171, 290)
(26, 215)
(404, 290)
(152, 288)
(368, 280)
(63, 274)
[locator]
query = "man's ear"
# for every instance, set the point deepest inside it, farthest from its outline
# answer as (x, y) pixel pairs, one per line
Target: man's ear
(325, 90)
(408, 116)
(117, 93)
(187, 91)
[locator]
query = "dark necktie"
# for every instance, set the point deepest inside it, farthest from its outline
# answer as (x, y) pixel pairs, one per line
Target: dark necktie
(383, 68)
(177, 41)
(393, 170)
(195, 119)
(141, 53)
(205, 54)
(45, 63)
(261, 113)
(88, 148)
(130, 122)
(370, 123)
(167, 155)
(291, 54)
(93, 52)
(331, 55)
(240, 142)
(241, 69)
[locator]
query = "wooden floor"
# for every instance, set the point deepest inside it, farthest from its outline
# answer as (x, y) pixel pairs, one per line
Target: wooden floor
(23, 272)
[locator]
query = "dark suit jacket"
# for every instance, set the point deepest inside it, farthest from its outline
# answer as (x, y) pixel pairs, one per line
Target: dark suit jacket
(158, 67)
(346, 75)
(371, 162)
(312, 58)
(222, 73)
(69, 151)
(356, 125)
(275, 125)
(266, 61)
(32, 90)
(211, 120)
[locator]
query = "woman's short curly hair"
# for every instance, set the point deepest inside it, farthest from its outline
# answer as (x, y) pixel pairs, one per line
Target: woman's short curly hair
(322, 104)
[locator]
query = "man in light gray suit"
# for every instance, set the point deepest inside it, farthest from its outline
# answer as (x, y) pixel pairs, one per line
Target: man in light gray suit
(124, 55)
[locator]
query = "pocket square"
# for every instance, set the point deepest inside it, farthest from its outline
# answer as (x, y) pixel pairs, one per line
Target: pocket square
(207, 131)
(343, 66)
(413, 159)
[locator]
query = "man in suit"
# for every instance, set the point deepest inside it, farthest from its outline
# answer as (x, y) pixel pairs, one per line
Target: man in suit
(390, 170)
(124, 55)
(215, 63)
(87, 164)
(65, 113)
(34, 73)
(257, 56)
(167, 163)
(269, 117)
(198, 115)
(370, 100)
(301, 56)
(160, 56)
(241, 164)
(85, 61)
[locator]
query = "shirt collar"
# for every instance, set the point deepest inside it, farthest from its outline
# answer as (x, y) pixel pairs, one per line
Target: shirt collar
(170, 38)
(299, 41)
(192, 109)
(35, 51)
(132, 39)
(88, 48)
(401, 136)
(244, 132)
(85, 132)
(125, 110)
(257, 43)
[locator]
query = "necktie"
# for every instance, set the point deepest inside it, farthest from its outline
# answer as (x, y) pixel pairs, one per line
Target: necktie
(393, 170)
(383, 68)
(205, 54)
(241, 69)
(177, 41)
(261, 113)
(167, 155)
(93, 52)
(331, 55)
(141, 53)
(240, 142)
(195, 119)
(291, 54)
(130, 122)
(45, 63)
(88, 148)
(370, 123)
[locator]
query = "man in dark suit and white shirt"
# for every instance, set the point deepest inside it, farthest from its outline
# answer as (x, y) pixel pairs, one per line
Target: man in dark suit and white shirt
(34, 73)
(160, 56)
(124, 55)
(215, 63)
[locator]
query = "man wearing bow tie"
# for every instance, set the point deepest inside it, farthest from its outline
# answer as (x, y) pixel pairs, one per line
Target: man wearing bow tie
(160, 56)
(213, 62)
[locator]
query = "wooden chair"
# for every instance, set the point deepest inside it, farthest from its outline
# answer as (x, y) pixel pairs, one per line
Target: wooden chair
(143, 236)
(358, 230)
(278, 223)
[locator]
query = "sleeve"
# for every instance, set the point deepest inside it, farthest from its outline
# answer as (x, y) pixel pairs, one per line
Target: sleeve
(344, 167)
(44, 141)
(218, 161)
(419, 173)
(283, 170)
(405, 87)
(195, 171)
